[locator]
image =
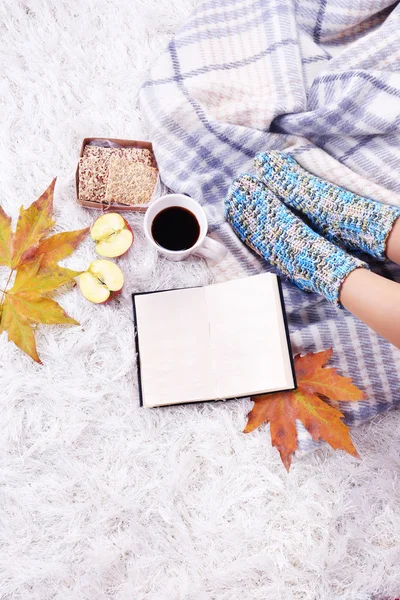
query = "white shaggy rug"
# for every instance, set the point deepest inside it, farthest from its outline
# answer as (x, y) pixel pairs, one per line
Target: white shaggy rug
(100, 499)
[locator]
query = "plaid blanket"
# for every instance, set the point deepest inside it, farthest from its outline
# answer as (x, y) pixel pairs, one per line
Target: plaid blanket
(320, 79)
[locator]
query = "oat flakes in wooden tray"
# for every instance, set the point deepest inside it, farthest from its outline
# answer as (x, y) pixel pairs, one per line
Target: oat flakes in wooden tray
(117, 174)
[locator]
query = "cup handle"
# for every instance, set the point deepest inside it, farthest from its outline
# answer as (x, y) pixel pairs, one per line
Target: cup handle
(211, 250)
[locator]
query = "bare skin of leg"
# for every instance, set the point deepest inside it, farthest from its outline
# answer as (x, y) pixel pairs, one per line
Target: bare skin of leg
(374, 299)
(393, 243)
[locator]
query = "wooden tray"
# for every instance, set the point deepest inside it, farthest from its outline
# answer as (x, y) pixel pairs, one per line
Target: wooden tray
(113, 207)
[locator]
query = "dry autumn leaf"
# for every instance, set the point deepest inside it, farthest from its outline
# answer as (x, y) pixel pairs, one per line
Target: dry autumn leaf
(19, 331)
(5, 237)
(59, 246)
(34, 258)
(33, 224)
(34, 278)
(322, 421)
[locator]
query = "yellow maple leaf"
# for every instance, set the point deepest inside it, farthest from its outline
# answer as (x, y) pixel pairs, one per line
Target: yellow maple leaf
(59, 246)
(32, 276)
(37, 309)
(5, 238)
(34, 258)
(33, 224)
(19, 331)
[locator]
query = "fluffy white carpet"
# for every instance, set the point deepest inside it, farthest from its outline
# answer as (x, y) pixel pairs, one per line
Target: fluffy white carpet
(100, 499)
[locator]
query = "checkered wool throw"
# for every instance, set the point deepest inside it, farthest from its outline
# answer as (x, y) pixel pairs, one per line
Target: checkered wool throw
(318, 78)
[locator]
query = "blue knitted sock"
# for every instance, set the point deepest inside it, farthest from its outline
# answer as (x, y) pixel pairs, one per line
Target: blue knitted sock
(274, 232)
(351, 221)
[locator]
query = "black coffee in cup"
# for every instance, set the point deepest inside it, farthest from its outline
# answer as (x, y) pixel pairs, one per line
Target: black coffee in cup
(175, 228)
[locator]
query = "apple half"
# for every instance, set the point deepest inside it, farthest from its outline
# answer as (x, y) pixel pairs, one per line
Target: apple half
(102, 280)
(112, 234)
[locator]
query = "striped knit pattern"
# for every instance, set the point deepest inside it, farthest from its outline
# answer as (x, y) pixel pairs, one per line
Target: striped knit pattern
(315, 79)
(344, 218)
(276, 234)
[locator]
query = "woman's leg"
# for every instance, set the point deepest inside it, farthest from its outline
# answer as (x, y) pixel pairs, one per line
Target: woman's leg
(374, 299)
(313, 263)
(393, 243)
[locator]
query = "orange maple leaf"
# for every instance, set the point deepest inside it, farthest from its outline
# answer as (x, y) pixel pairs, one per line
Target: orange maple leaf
(34, 258)
(322, 421)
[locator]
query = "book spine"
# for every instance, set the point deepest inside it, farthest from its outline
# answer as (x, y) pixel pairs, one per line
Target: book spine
(285, 320)
(137, 352)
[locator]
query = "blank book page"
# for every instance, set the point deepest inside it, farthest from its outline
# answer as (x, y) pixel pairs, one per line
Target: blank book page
(247, 344)
(174, 345)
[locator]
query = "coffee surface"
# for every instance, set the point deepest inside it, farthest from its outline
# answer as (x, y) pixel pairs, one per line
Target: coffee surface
(175, 228)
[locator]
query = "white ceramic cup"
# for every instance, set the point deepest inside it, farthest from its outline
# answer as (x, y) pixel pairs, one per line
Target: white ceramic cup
(205, 247)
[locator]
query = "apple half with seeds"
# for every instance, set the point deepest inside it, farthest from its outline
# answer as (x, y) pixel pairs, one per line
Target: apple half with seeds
(102, 280)
(112, 234)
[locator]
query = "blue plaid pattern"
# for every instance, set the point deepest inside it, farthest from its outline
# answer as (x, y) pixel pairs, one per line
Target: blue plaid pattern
(311, 78)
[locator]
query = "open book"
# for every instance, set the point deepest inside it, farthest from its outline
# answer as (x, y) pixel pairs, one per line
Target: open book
(222, 341)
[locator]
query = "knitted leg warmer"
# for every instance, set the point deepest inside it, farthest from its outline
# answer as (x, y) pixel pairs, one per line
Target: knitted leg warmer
(351, 221)
(274, 232)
